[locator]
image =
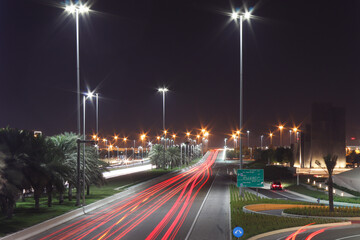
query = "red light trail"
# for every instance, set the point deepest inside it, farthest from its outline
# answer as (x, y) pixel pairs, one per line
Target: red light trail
(160, 209)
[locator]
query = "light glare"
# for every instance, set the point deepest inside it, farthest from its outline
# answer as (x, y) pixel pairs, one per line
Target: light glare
(70, 8)
(247, 15)
(83, 9)
(163, 90)
(234, 15)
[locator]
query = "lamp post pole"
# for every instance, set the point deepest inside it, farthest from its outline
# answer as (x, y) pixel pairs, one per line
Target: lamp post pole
(77, 68)
(241, 16)
(241, 89)
(84, 139)
(77, 9)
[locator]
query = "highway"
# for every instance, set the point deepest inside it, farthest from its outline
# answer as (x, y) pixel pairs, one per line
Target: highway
(166, 209)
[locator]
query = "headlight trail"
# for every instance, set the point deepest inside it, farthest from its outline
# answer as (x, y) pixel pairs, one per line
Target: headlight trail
(116, 221)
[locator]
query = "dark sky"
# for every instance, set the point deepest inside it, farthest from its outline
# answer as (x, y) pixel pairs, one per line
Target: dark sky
(295, 52)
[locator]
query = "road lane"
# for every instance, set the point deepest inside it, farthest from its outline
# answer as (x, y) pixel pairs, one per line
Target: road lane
(162, 211)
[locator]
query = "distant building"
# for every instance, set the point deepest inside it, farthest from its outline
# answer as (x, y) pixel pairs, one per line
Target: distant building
(325, 134)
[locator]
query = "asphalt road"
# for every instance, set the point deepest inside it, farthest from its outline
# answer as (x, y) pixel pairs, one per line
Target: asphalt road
(278, 194)
(169, 209)
(349, 232)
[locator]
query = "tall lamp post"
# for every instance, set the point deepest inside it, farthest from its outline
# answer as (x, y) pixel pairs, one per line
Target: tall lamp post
(163, 90)
(261, 141)
(241, 16)
(86, 96)
(77, 9)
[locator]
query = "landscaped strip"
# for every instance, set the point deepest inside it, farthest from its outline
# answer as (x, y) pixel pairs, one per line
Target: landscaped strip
(254, 224)
(323, 211)
(25, 215)
(321, 195)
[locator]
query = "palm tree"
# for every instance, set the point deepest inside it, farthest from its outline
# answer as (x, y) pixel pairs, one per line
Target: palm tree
(156, 156)
(13, 146)
(330, 162)
(66, 144)
(173, 156)
(94, 168)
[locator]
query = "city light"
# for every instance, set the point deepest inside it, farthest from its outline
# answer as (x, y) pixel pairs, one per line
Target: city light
(80, 8)
(70, 8)
(163, 89)
(234, 15)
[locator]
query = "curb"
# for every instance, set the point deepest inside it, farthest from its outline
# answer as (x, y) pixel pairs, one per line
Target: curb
(53, 222)
(307, 216)
(296, 228)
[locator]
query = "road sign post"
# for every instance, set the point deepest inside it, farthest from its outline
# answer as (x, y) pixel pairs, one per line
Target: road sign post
(250, 178)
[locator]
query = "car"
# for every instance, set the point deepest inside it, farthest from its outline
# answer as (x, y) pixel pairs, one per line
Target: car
(276, 185)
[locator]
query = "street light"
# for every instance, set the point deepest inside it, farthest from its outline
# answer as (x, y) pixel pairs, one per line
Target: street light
(261, 141)
(163, 90)
(296, 133)
(77, 9)
(174, 136)
(241, 16)
(125, 139)
(281, 127)
(290, 131)
(271, 136)
(248, 138)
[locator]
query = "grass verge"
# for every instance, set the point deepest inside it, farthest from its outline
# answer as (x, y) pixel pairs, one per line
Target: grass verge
(254, 224)
(25, 215)
(322, 195)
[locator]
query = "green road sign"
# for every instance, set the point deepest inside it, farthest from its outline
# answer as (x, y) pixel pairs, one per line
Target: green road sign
(250, 177)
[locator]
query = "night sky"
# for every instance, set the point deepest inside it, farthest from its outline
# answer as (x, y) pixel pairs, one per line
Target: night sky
(295, 52)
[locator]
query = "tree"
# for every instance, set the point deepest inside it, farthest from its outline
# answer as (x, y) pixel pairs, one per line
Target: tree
(66, 144)
(173, 156)
(330, 162)
(157, 156)
(13, 148)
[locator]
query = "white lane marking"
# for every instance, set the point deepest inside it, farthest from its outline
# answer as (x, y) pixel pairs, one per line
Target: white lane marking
(202, 205)
(348, 237)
